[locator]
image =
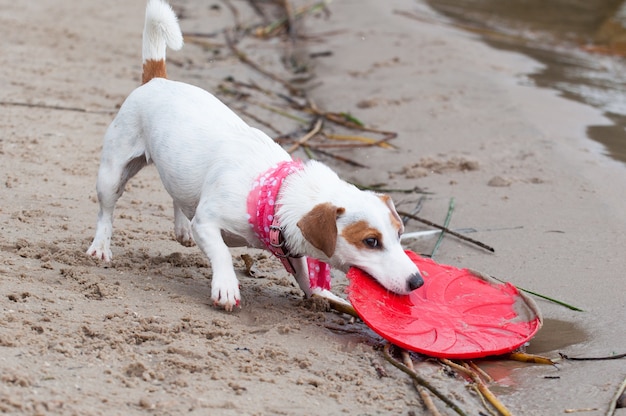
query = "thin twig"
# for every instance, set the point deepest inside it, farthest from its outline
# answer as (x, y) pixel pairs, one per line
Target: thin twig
(290, 21)
(420, 380)
(316, 129)
(196, 39)
(338, 328)
(259, 11)
(446, 223)
(309, 153)
(529, 358)
(609, 357)
(55, 107)
(449, 231)
(258, 120)
(380, 188)
(457, 367)
(613, 403)
(234, 12)
(343, 120)
(480, 371)
(356, 144)
(244, 59)
(339, 158)
(481, 396)
(539, 295)
(484, 390)
(426, 399)
(416, 210)
(366, 141)
(274, 27)
(482, 387)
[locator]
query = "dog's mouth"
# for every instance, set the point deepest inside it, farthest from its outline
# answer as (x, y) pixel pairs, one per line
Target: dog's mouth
(411, 283)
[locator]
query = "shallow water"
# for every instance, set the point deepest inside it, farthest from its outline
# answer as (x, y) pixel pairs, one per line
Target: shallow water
(582, 44)
(556, 335)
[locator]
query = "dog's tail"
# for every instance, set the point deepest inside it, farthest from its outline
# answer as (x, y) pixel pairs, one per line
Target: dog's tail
(161, 30)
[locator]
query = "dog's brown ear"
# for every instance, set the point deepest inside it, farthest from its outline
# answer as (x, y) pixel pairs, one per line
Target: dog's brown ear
(395, 218)
(319, 227)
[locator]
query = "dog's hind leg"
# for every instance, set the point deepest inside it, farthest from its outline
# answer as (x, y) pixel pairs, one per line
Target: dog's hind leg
(182, 227)
(112, 178)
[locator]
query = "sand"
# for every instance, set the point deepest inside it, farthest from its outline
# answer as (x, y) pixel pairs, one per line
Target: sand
(140, 335)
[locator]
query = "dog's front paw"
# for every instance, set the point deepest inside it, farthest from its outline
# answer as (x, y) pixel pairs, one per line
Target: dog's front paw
(225, 294)
(100, 251)
(327, 294)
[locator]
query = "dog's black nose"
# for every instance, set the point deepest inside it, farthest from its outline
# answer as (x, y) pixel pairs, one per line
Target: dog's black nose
(415, 281)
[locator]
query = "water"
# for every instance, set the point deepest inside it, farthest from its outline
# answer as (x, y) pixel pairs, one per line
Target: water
(582, 44)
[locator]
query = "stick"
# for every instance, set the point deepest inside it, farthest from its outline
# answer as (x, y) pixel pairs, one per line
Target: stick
(291, 27)
(416, 210)
(558, 302)
(482, 387)
(442, 228)
(309, 153)
(365, 140)
(529, 358)
(244, 59)
(258, 10)
(235, 13)
(480, 371)
(379, 188)
(446, 223)
(271, 28)
(610, 357)
(428, 401)
(483, 400)
(258, 120)
(420, 380)
(56, 107)
(339, 158)
(613, 403)
(316, 129)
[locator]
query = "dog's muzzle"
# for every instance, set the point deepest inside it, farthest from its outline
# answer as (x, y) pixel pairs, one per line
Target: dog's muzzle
(414, 281)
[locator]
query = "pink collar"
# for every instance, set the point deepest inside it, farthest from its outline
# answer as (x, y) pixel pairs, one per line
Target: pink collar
(262, 206)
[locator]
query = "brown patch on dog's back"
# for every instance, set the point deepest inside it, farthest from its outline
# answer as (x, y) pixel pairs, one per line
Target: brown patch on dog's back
(153, 69)
(356, 232)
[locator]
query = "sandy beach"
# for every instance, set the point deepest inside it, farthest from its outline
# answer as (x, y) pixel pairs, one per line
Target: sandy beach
(140, 335)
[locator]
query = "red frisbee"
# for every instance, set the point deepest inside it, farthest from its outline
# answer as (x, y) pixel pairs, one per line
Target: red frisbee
(457, 313)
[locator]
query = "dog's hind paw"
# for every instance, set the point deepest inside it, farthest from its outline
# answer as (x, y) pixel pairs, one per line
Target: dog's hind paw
(185, 239)
(182, 228)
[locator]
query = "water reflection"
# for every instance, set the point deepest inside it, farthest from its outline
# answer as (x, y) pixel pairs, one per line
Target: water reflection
(582, 44)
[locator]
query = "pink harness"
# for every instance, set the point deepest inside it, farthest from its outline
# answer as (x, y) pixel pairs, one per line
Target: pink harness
(261, 209)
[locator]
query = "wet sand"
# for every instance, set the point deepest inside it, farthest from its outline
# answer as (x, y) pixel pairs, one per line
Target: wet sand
(140, 335)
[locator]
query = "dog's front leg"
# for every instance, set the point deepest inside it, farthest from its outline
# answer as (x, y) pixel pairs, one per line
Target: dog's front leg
(302, 277)
(302, 274)
(224, 284)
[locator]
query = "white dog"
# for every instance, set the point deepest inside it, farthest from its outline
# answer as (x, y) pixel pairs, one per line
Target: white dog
(232, 185)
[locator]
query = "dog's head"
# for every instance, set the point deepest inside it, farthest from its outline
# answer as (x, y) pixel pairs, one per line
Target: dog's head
(363, 233)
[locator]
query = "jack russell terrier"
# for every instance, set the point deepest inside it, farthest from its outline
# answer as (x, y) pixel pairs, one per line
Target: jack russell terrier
(232, 185)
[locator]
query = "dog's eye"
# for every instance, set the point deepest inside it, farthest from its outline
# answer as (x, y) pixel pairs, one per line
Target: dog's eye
(372, 242)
